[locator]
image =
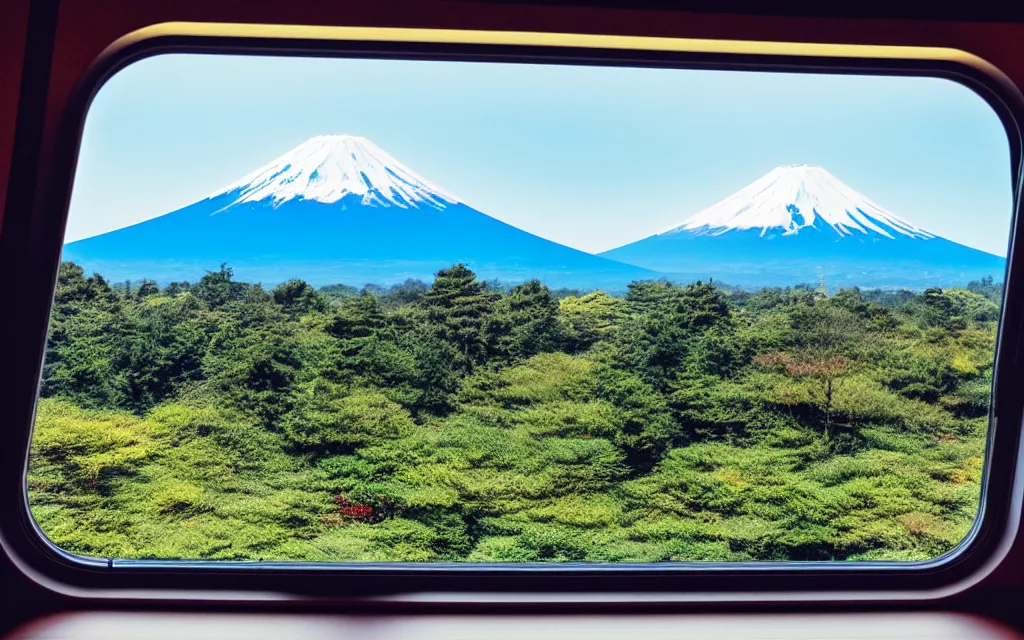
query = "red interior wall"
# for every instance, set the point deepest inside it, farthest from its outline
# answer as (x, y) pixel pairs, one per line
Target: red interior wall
(13, 27)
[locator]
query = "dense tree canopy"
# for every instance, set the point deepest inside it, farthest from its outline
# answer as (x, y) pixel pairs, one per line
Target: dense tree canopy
(471, 421)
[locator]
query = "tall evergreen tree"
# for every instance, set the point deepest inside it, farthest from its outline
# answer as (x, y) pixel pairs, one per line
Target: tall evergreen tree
(217, 288)
(525, 323)
(146, 289)
(177, 288)
(253, 358)
(298, 297)
(459, 305)
(86, 353)
(165, 348)
(356, 324)
(587, 319)
(665, 336)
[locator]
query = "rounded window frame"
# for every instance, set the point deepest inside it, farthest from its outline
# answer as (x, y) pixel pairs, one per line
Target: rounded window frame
(999, 511)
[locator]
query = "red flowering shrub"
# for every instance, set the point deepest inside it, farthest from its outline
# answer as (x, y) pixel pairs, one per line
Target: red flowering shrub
(352, 510)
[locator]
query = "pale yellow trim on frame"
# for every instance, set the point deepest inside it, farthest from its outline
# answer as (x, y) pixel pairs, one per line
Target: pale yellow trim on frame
(523, 38)
(569, 40)
(543, 39)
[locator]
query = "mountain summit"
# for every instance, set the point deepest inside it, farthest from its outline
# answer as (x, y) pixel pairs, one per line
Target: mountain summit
(328, 168)
(790, 198)
(798, 223)
(338, 209)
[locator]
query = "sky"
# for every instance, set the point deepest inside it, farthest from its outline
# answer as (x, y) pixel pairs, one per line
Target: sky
(590, 157)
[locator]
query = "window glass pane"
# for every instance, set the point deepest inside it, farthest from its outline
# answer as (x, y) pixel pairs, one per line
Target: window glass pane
(367, 310)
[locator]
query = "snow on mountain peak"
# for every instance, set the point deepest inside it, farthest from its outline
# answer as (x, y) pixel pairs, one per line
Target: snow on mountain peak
(328, 168)
(795, 196)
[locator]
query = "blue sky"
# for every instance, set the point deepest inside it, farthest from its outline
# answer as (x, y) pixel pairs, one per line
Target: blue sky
(589, 157)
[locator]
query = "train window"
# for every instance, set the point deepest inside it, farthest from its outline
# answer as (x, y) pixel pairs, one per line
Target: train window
(359, 310)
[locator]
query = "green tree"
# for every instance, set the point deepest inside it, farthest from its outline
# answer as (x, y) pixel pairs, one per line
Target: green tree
(643, 426)
(827, 329)
(410, 363)
(524, 323)
(988, 288)
(826, 369)
(827, 340)
(662, 337)
(327, 421)
(146, 289)
(74, 288)
(879, 317)
(459, 306)
(297, 297)
(770, 298)
(177, 288)
(217, 288)
(253, 358)
(436, 377)
(86, 357)
(590, 318)
(953, 307)
(920, 377)
(356, 325)
(338, 291)
(379, 427)
(166, 344)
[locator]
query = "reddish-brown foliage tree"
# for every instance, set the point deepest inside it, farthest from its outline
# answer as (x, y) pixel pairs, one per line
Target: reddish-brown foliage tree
(824, 368)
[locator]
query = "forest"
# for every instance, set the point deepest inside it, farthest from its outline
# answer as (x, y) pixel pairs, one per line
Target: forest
(470, 421)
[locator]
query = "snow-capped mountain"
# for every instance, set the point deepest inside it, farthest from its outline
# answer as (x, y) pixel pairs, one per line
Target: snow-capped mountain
(798, 223)
(790, 198)
(330, 167)
(337, 209)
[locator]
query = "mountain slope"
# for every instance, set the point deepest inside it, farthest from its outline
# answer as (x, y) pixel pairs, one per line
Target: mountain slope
(798, 223)
(338, 209)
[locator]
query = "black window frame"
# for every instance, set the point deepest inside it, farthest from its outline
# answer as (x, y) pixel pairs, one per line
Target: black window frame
(30, 248)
